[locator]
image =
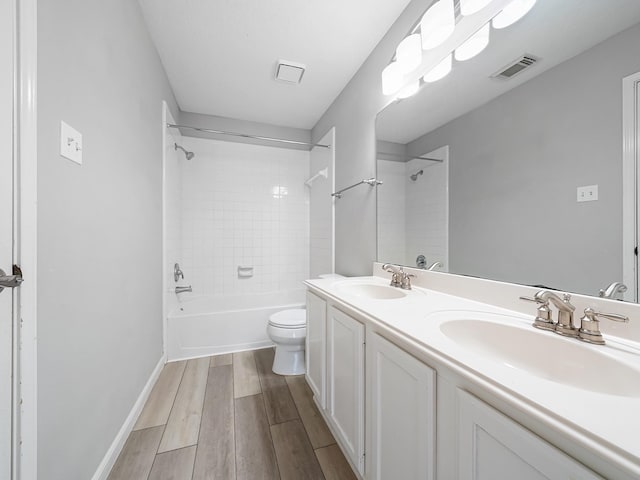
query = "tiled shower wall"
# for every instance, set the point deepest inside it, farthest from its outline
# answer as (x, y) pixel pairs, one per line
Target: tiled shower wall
(413, 215)
(391, 211)
(244, 206)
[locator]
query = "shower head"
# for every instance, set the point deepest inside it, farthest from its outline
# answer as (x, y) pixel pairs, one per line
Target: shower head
(414, 177)
(187, 154)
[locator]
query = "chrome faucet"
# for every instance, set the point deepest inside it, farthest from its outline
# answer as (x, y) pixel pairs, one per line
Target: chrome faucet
(399, 278)
(396, 274)
(183, 289)
(589, 330)
(564, 325)
(612, 290)
(434, 265)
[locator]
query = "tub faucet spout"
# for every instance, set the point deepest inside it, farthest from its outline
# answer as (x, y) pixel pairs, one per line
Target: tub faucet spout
(183, 289)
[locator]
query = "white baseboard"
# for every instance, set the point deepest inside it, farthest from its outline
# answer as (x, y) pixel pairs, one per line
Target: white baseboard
(114, 450)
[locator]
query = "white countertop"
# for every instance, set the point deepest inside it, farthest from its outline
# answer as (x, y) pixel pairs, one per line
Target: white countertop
(608, 424)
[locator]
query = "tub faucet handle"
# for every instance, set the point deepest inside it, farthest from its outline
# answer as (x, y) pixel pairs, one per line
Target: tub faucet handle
(177, 273)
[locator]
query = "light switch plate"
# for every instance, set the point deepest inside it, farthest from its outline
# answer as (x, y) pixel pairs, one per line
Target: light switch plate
(588, 193)
(70, 143)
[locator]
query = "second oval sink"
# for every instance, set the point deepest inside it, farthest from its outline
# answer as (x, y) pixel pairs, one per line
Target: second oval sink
(545, 355)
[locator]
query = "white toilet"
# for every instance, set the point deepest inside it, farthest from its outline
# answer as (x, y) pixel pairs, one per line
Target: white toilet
(288, 329)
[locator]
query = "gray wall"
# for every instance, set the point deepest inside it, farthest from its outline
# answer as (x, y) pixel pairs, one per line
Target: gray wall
(353, 114)
(99, 227)
(516, 163)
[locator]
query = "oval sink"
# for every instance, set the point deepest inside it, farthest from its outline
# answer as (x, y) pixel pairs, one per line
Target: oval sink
(368, 290)
(545, 355)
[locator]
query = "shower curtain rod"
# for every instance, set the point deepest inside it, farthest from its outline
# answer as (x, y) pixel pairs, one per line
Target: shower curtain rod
(246, 135)
(418, 157)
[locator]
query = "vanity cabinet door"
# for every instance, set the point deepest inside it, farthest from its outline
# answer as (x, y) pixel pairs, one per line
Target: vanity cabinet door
(491, 446)
(345, 382)
(401, 394)
(316, 347)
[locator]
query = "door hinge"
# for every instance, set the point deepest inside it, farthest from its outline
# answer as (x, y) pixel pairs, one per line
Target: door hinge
(635, 251)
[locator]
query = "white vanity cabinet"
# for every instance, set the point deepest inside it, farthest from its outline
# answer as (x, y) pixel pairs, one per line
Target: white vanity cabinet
(316, 347)
(348, 358)
(491, 446)
(401, 396)
(345, 383)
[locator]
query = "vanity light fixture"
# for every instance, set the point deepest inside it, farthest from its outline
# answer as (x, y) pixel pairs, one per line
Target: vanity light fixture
(425, 55)
(392, 78)
(469, 7)
(512, 13)
(440, 71)
(409, 90)
(437, 24)
(409, 53)
(474, 45)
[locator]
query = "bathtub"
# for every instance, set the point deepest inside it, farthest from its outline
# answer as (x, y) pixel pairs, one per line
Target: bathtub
(207, 325)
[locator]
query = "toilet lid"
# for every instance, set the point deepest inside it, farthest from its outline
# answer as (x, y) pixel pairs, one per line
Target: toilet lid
(292, 318)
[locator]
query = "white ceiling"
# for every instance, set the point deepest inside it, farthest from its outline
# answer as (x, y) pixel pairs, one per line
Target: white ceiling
(220, 55)
(553, 30)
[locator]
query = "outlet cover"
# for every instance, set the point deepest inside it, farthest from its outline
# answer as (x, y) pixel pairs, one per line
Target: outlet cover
(588, 193)
(70, 143)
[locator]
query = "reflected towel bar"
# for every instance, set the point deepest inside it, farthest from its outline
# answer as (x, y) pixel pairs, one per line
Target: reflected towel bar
(369, 181)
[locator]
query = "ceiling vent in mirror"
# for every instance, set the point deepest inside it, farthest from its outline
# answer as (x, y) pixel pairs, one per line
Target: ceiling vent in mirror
(289, 72)
(517, 66)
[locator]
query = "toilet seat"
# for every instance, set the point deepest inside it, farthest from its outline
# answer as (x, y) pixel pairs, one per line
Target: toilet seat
(292, 318)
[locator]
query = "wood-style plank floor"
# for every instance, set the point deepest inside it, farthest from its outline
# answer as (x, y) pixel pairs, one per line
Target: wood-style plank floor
(230, 417)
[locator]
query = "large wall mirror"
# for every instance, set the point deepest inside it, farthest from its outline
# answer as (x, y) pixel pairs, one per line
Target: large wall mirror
(486, 173)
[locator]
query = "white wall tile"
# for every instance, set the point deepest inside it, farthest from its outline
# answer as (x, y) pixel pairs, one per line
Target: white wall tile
(231, 217)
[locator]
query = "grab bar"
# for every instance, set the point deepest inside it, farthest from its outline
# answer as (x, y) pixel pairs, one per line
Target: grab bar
(369, 181)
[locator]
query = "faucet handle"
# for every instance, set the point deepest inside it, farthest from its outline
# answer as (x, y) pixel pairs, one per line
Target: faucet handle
(543, 318)
(535, 300)
(405, 283)
(590, 325)
(177, 273)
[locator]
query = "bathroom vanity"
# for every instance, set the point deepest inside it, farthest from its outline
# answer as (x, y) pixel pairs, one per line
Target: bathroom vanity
(421, 384)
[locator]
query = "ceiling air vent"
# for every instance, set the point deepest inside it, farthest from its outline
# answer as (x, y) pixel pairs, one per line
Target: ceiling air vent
(289, 72)
(515, 67)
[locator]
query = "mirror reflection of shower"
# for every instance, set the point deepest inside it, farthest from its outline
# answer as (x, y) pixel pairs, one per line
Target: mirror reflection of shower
(187, 153)
(414, 177)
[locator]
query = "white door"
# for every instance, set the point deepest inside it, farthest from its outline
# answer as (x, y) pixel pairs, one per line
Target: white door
(6, 231)
(345, 383)
(399, 446)
(635, 294)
